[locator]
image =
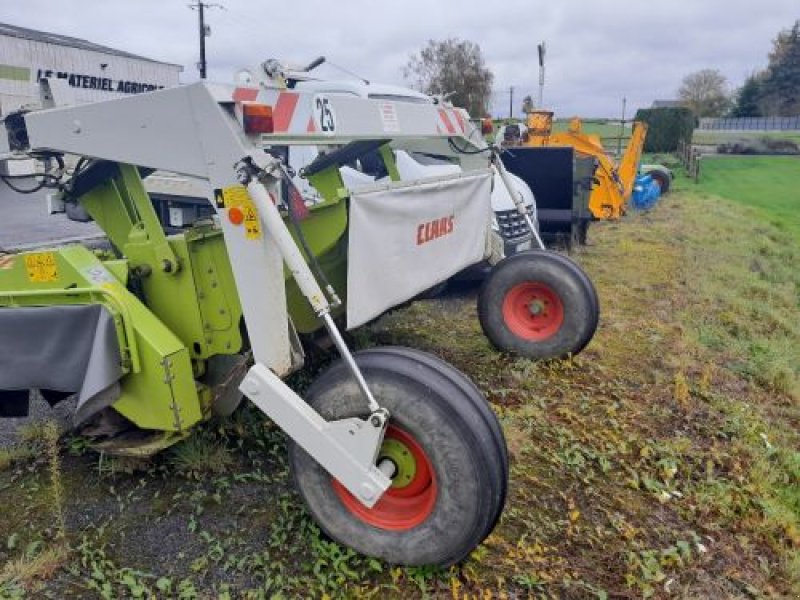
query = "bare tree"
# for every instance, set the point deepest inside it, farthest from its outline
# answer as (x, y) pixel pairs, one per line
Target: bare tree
(705, 93)
(453, 67)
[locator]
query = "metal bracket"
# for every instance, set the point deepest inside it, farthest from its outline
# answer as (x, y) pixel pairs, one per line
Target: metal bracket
(347, 448)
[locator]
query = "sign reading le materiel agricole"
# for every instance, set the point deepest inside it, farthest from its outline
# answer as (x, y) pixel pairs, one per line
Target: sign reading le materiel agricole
(90, 82)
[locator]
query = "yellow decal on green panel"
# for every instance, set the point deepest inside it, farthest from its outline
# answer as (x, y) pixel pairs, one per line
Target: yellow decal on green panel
(41, 267)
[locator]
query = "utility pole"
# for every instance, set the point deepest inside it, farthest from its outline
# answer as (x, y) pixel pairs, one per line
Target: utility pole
(511, 102)
(621, 128)
(204, 31)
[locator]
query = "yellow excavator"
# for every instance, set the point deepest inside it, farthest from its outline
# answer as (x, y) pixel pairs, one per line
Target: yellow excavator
(613, 182)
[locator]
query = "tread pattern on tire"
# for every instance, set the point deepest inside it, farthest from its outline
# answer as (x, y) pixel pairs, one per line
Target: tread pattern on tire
(474, 394)
(582, 308)
(458, 434)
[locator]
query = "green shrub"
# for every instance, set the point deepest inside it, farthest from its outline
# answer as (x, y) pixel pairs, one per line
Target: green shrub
(666, 127)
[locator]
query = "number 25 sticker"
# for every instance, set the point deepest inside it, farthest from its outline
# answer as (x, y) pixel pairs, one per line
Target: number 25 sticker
(324, 117)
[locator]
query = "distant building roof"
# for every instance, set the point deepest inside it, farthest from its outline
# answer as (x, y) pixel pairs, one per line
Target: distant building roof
(65, 40)
(667, 104)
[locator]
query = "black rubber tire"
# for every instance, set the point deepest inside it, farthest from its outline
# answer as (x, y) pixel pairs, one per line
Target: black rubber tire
(479, 402)
(591, 292)
(565, 279)
(570, 265)
(661, 178)
(438, 410)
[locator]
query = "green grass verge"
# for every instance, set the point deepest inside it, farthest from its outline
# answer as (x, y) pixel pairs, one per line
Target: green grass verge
(770, 184)
(661, 462)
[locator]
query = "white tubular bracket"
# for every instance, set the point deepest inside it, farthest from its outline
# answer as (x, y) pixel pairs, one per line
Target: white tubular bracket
(347, 448)
(273, 223)
(518, 202)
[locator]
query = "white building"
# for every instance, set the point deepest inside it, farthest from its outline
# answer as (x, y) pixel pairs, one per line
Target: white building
(95, 72)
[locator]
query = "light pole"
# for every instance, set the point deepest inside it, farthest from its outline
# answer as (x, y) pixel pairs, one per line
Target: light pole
(542, 52)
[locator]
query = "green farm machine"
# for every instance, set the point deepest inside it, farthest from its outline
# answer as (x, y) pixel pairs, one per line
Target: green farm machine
(395, 452)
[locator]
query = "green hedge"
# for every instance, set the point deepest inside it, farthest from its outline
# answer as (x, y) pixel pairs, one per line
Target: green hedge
(666, 127)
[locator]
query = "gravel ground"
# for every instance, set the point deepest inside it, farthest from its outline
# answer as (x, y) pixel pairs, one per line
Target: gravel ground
(39, 410)
(25, 221)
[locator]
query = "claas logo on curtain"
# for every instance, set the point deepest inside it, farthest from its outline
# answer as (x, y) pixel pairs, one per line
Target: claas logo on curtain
(427, 232)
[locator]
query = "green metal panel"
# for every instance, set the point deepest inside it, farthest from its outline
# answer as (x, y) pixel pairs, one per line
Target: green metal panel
(158, 391)
(186, 280)
(329, 184)
(111, 213)
(324, 227)
(390, 162)
(171, 296)
(65, 276)
(218, 300)
(325, 232)
(334, 264)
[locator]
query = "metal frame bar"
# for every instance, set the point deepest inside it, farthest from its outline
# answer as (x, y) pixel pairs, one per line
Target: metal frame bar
(206, 141)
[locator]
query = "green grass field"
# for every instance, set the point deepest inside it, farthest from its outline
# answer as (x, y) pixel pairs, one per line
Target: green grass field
(720, 137)
(609, 131)
(767, 183)
(605, 129)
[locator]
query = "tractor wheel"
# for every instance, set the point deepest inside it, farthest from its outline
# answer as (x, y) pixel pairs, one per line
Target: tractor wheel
(661, 178)
(449, 453)
(472, 393)
(538, 304)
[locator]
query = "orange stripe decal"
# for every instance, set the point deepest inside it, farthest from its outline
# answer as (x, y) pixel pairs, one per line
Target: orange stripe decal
(447, 122)
(311, 128)
(284, 110)
(245, 94)
(460, 120)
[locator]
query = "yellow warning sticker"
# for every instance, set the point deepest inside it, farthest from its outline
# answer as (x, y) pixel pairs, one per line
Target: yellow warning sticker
(252, 228)
(237, 196)
(41, 267)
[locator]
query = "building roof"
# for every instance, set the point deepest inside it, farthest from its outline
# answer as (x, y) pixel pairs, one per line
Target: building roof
(667, 103)
(65, 40)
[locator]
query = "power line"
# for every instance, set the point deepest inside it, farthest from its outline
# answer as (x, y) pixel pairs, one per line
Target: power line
(204, 31)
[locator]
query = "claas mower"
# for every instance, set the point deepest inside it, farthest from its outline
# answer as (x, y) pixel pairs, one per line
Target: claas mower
(395, 452)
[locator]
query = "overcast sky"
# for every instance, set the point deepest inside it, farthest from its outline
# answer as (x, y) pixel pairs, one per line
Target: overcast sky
(597, 50)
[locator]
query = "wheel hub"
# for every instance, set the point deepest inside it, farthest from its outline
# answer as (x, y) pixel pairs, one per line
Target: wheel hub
(536, 307)
(533, 311)
(400, 456)
(412, 495)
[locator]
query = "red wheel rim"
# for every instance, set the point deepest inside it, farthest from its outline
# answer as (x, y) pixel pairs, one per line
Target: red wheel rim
(533, 311)
(410, 499)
